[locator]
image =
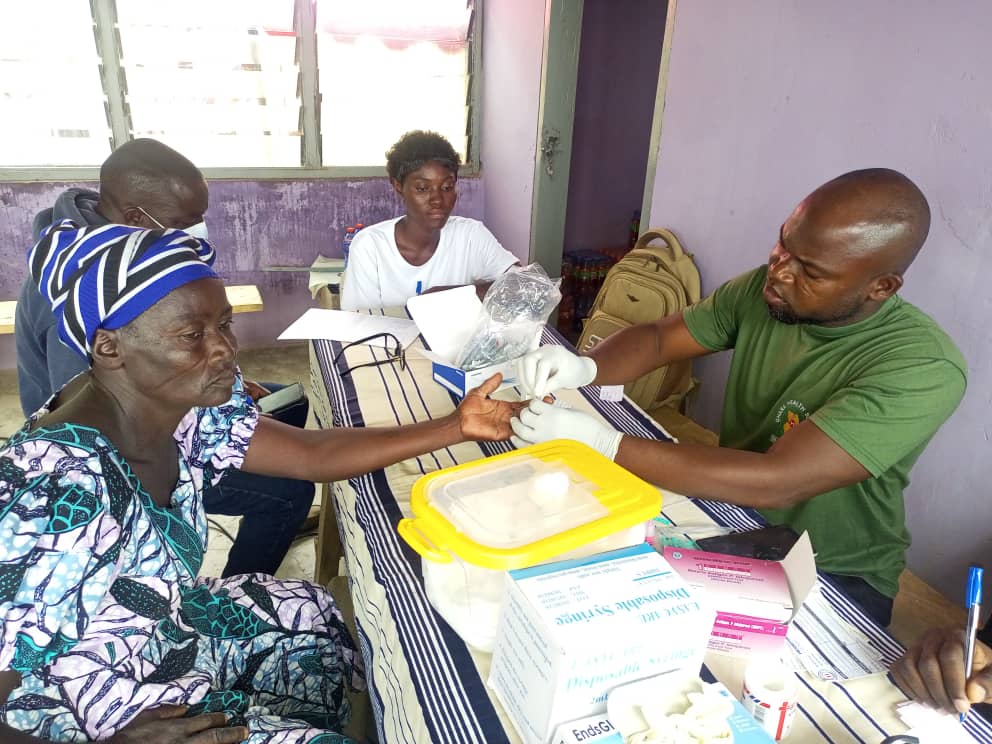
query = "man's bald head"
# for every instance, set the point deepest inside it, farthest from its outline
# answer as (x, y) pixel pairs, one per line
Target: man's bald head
(873, 211)
(843, 251)
(146, 174)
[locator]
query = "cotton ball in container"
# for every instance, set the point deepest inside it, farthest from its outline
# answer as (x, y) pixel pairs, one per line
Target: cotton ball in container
(703, 722)
(550, 489)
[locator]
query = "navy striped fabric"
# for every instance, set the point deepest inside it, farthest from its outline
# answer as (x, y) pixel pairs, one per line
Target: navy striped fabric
(455, 705)
(106, 276)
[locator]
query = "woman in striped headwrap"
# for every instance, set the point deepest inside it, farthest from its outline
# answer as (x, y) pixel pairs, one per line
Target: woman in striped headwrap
(106, 632)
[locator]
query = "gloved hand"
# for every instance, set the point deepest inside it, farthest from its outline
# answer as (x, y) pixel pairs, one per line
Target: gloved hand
(551, 368)
(542, 422)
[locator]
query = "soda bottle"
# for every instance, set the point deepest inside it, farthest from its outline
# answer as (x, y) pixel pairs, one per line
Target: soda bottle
(566, 311)
(579, 291)
(635, 228)
(586, 288)
(349, 235)
(593, 281)
(566, 274)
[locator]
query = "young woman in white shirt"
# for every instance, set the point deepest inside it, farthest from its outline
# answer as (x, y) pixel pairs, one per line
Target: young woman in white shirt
(426, 249)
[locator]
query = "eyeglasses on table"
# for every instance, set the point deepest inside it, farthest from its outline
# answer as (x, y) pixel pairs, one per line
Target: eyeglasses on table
(395, 353)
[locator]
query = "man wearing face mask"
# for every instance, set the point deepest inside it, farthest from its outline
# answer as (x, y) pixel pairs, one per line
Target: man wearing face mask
(147, 184)
(143, 184)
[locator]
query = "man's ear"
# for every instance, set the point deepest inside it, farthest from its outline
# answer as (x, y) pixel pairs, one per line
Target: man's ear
(884, 287)
(134, 217)
(107, 352)
(397, 186)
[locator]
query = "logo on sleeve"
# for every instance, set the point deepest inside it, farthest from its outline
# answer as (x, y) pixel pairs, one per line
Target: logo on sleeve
(789, 415)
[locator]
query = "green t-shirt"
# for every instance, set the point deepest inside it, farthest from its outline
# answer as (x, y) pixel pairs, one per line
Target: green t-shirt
(880, 388)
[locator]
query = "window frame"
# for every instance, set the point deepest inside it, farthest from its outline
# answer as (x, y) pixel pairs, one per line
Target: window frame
(104, 13)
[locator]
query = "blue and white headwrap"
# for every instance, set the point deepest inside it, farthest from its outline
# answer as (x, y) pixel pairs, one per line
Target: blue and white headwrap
(105, 277)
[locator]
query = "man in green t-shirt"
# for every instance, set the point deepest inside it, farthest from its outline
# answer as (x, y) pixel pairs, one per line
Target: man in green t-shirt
(835, 388)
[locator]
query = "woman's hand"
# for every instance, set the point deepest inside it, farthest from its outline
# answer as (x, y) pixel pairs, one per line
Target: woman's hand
(254, 390)
(932, 671)
(166, 725)
(481, 418)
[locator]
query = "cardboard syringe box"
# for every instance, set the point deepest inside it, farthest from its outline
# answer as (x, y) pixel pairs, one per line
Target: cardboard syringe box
(447, 321)
(755, 599)
(571, 631)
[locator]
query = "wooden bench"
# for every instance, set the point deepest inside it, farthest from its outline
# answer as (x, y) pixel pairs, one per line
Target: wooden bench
(7, 310)
(244, 298)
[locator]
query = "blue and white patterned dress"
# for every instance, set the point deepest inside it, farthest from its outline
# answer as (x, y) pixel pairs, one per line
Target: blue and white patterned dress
(102, 614)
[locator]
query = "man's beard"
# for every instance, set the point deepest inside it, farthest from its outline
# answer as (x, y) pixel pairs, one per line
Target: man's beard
(787, 316)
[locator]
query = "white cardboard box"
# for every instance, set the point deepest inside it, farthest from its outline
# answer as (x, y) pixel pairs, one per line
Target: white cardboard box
(569, 632)
(755, 600)
(589, 730)
(446, 321)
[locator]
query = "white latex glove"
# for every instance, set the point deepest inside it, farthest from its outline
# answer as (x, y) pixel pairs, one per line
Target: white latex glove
(542, 422)
(551, 368)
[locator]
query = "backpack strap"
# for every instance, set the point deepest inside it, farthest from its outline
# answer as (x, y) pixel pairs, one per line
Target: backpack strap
(680, 264)
(665, 235)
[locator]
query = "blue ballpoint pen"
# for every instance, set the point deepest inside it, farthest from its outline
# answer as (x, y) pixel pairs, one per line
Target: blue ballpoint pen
(973, 601)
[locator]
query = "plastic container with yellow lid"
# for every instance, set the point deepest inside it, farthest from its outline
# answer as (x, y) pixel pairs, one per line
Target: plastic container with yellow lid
(550, 501)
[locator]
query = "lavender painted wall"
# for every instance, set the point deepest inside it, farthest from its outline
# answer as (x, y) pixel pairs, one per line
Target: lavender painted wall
(764, 105)
(253, 224)
(618, 69)
(513, 32)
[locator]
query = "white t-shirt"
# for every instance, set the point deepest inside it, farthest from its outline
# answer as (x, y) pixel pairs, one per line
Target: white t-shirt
(378, 276)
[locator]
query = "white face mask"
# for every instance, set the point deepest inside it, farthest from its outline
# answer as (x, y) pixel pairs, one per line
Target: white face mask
(199, 230)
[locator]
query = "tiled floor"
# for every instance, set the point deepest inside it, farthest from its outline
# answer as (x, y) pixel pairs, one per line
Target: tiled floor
(283, 363)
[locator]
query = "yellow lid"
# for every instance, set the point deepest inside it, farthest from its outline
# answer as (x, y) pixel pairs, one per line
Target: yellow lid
(524, 507)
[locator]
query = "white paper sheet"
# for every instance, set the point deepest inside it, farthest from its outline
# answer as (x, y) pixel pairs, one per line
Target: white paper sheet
(341, 325)
(447, 319)
(827, 646)
(932, 726)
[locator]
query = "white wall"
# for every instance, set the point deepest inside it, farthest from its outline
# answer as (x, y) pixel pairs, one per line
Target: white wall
(765, 103)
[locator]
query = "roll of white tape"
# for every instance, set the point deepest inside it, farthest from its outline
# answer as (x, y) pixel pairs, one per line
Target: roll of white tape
(770, 694)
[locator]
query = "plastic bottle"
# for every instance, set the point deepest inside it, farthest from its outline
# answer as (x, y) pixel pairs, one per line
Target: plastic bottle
(577, 294)
(583, 293)
(349, 235)
(566, 308)
(578, 275)
(566, 313)
(635, 228)
(567, 277)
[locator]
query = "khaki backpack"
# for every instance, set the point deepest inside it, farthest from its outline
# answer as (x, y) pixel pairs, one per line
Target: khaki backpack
(648, 283)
